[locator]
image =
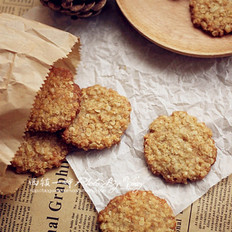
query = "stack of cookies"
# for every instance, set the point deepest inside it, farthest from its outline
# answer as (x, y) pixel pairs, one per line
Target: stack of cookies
(55, 106)
(64, 116)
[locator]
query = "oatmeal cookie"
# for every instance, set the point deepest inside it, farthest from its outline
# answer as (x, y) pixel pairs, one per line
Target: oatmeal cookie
(213, 16)
(56, 103)
(104, 116)
(137, 211)
(179, 148)
(38, 152)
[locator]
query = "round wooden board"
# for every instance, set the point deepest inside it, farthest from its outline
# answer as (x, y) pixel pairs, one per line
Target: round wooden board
(167, 23)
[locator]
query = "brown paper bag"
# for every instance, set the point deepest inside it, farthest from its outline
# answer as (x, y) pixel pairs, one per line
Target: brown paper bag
(27, 50)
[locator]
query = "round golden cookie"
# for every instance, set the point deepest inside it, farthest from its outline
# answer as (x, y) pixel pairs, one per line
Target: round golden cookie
(38, 152)
(104, 116)
(138, 211)
(179, 148)
(213, 16)
(56, 103)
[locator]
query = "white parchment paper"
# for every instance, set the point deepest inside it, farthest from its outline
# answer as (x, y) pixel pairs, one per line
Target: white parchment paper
(156, 82)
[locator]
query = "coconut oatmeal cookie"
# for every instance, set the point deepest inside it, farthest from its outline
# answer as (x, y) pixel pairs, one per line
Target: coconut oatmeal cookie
(137, 211)
(39, 152)
(56, 103)
(104, 116)
(213, 16)
(179, 148)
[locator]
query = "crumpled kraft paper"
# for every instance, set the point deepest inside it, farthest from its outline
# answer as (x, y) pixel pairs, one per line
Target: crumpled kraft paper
(27, 50)
(156, 82)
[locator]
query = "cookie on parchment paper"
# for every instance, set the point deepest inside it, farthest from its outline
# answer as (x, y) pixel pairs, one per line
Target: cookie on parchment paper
(137, 211)
(56, 103)
(213, 16)
(38, 152)
(104, 116)
(179, 148)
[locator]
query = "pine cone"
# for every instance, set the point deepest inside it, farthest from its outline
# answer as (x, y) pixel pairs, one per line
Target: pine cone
(76, 8)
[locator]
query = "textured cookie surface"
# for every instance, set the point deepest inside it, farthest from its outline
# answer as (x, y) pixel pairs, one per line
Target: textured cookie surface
(213, 16)
(104, 116)
(39, 152)
(56, 103)
(137, 211)
(179, 148)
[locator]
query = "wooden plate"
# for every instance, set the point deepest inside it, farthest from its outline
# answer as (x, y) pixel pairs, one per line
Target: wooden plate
(167, 23)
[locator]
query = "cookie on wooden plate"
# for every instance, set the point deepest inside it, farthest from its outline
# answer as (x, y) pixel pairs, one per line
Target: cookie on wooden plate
(56, 103)
(137, 211)
(213, 16)
(179, 148)
(39, 152)
(104, 116)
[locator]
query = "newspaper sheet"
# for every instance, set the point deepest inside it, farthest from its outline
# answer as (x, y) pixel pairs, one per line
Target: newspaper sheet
(211, 213)
(54, 202)
(57, 201)
(17, 7)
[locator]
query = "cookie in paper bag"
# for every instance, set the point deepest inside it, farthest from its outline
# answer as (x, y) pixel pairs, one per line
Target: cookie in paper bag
(39, 152)
(137, 211)
(56, 103)
(104, 116)
(179, 148)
